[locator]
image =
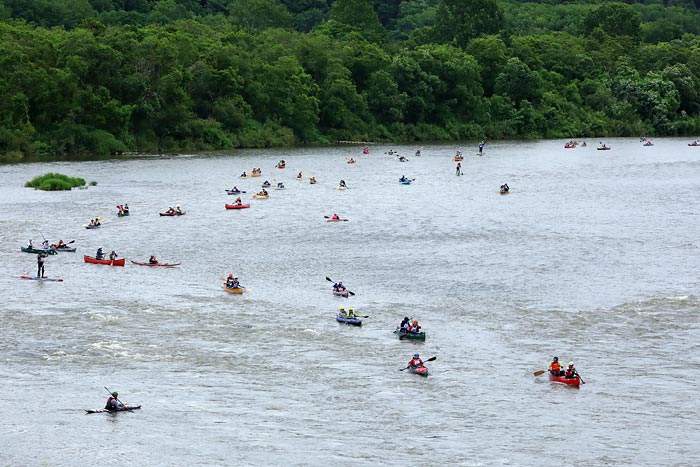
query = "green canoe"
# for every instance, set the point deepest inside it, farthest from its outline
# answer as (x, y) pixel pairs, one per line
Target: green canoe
(50, 251)
(407, 335)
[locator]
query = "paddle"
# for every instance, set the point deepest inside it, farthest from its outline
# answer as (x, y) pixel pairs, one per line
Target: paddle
(579, 377)
(428, 360)
(540, 372)
(330, 280)
(123, 404)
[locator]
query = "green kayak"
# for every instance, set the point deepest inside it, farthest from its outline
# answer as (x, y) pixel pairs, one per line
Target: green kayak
(50, 251)
(420, 336)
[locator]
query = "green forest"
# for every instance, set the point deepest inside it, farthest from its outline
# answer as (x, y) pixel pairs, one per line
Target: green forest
(101, 77)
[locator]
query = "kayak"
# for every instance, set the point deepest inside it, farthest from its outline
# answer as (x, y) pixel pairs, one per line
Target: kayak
(256, 175)
(351, 162)
(337, 220)
(405, 182)
(604, 148)
(237, 206)
(164, 265)
(505, 192)
(569, 146)
(420, 371)
(280, 188)
(232, 192)
(311, 182)
(266, 186)
(38, 250)
(341, 188)
(281, 166)
(88, 226)
(260, 196)
(122, 214)
(45, 279)
(576, 382)
(349, 321)
(420, 336)
(341, 293)
(66, 249)
(116, 262)
(237, 290)
(126, 409)
(243, 176)
(170, 214)
(694, 144)
(648, 144)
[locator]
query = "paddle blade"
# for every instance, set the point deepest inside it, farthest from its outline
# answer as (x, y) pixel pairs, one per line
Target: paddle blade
(431, 359)
(540, 372)
(329, 279)
(351, 293)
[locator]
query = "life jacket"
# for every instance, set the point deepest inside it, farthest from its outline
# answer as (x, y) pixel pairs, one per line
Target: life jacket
(416, 362)
(570, 372)
(555, 368)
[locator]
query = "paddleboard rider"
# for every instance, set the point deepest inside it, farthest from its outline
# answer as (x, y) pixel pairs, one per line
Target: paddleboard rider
(40, 260)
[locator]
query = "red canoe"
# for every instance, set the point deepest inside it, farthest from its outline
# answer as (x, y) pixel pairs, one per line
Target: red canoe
(116, 262)
(163, 265)
(237, 206)
(576, 382)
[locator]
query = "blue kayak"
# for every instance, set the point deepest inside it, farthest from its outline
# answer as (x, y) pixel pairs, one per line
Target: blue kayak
(350, 321)
(405, 182)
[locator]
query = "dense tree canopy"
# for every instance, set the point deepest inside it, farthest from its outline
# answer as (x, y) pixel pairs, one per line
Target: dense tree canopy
(106, 76)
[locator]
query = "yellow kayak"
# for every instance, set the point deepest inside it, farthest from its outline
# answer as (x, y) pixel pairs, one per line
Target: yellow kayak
(255, 175)
(341, 188)
(260, 197)
(237, 290)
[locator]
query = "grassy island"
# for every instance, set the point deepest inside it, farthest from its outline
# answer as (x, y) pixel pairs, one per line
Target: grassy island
(55, 182)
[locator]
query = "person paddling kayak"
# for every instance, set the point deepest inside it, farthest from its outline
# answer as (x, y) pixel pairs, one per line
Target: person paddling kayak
(416, 361)
(113, 403)
(152, 260)
(342, 184)
(232, 282)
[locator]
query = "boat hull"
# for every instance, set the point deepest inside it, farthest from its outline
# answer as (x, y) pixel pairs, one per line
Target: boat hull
(236, 291)
(349, 321)
(343, 293)
(575, 382)
(153, 265)
(127, 409)
(38, 250)
(260, 197)
(237, 206)
(42, 279)
(419, 336)
(172, 214)
(116, 262)
(420, 371)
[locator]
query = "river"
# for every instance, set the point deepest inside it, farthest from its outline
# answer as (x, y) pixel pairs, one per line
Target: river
(592, 257)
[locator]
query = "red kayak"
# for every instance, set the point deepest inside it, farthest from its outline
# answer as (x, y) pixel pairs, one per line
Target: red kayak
(576, 382)
(163, 265)
(569, 146)
(420, 371)
(116, 262)
(237, 206)
(338, 220)
(341, 293)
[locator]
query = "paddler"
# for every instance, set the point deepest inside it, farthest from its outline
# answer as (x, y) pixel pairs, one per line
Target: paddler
(126, 209)
(416, 361)
(40, 260)
(178, 210)
(335, 217)
(280, 185)
(238, 202)
(152, 260)
(415, 327)
(244, 175)
(29, 245)
(341, 312)
(555, 367)
(570, 371)
(100, 254)
(59, 244)
(350, 314)
(299, 175)
(404, 323)
(266, 184)
(113, 255)
(235, 189)
(113, 403)
(342, 184)
(45, 245)
(312, 180)
(459, 169)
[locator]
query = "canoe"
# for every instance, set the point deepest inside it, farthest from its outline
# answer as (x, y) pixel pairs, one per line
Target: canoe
(122, 214)
(576, 382)
(163, 265)
(170, 214)
(237, 290)
(261, 196)
(339, 293)
(37, 250)
(420, 371)
(349, 321)
(237, 206)
(419, 336)
(405, 182)
(116, 262)
(44, 279)
(126, 409)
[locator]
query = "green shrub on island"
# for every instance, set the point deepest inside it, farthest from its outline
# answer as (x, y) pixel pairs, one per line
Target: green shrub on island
(55, 182)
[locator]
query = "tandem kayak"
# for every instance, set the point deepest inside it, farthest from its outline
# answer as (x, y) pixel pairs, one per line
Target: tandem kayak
(163, 265)
(237, 206)
(341, 293)
(261, 196)
(256, 174)
(420, 371)
(419, 336)
(125, 409)
(116, 262)
(237, 290)
(349, 321)
(50, 251)
(88, 226)
(576, 382)
(170, 214)
(45, 279)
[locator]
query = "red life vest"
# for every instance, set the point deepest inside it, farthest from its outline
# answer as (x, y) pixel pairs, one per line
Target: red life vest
(570, 372)
(555, 368)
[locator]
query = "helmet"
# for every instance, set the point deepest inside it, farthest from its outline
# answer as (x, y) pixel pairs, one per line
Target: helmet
(349, 309)
(342, 308)
(415, 321)
(115, 394)
(556, 359)
(416, 355)
(571, 363)
(405, 318)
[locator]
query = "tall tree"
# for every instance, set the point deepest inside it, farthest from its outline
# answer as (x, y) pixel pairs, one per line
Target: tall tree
(463, 20)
